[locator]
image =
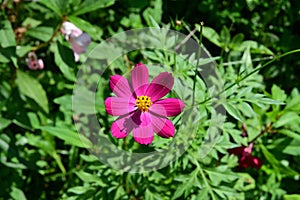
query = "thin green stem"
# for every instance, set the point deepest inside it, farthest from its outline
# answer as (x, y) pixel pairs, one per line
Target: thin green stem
(205, 181)
(251, 73)
(198, 59)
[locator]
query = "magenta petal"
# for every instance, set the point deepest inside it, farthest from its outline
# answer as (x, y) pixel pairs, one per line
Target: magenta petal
(120, 86)
(117, 106)
(139, 79)
(160, 86)
(167, 107)
(162, 126)
(123, 126)
(144, 134)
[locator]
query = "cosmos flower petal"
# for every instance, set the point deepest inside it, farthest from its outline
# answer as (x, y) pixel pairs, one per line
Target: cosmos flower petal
(160, 86)
(144, 134)
(117, 106)
(122, 126)
(162, 126)
(139, 79)
(120, 86)
(168, 107)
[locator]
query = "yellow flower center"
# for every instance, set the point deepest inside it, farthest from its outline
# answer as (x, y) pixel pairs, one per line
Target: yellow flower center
(143, 103)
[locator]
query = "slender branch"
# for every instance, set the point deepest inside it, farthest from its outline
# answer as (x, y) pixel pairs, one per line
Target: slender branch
(198, 59)
(205, 180)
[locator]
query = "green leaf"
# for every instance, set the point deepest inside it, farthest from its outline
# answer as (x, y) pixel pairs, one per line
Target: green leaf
(69, 136)
(4, 123)
(233, 111)
(31, 22)
(219, 174)
(30, 87)
(278, 94)
(94, 31)
(294, 104)
(286, 119)
(90, 178)
(79, 189)
(291, 197)
(290, 134)
(237, 40)
(42, 33)
(225, 35)
(246, 109)
(16, 193)
(91, 5)
(58, 6)
(212, 35)
(84, 102)
(23, 50)
(279, 168)
(47, 145)
(255, 47)
(64, 59)
(245, 182)
(292, 148)
(7, 34)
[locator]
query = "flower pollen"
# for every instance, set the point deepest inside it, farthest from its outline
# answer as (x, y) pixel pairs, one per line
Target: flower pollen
(143, 103)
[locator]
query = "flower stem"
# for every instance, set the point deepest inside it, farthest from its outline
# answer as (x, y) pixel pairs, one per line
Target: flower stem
(251, 73)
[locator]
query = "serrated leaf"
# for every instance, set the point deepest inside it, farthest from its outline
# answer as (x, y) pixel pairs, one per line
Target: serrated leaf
(246, 109)
(30, 87)
(287, 118)
(233, 111)
(68, 135)
(294, 104)
(277, 93)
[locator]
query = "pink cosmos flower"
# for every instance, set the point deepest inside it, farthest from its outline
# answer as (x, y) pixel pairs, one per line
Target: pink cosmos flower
(33, 62)
(78, 40)
(245, 158)
(140, 107)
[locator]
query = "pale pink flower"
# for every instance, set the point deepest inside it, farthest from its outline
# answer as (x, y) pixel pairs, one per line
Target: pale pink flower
(139, 106)
(78, 40)
(33, 62)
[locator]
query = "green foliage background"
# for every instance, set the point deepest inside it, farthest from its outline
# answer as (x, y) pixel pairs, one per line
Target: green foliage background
(42, 156)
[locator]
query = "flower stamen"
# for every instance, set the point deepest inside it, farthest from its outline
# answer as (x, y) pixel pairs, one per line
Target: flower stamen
(143, 103)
